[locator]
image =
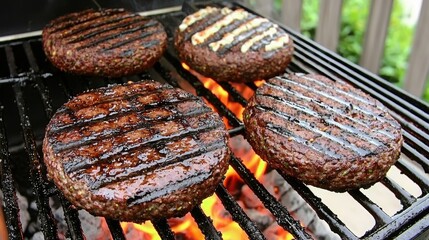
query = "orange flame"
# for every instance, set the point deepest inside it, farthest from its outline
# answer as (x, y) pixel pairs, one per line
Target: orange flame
(212, 206)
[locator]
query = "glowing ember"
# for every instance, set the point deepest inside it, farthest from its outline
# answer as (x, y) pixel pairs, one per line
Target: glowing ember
(212, 206)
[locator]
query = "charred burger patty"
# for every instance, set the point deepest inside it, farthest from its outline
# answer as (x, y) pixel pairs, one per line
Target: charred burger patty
(137, 151)
(109, 42)
(323, 132)
(233, 45)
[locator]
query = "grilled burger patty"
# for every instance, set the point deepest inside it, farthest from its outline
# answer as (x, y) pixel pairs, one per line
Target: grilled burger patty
(136, 152)
(109, 42)
(323, 132)
(233, 45)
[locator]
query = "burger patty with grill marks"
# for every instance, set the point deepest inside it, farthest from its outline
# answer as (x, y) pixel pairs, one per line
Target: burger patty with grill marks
(109, 42)
(232, 45)
(136, 152)
(323, 132)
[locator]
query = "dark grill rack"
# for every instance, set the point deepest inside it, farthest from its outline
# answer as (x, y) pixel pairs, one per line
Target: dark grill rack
(31, 89)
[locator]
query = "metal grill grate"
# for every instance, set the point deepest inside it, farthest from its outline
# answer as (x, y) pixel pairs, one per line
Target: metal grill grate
(31, 89)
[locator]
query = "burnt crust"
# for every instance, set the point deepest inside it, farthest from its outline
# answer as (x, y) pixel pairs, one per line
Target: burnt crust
(108, 42)
(325, 133)
(136, 152)
(231, 64)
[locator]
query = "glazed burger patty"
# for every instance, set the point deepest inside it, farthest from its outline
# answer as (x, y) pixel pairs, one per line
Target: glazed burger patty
(137, 151)
(233, 45)
(109, 42)
(323, 132)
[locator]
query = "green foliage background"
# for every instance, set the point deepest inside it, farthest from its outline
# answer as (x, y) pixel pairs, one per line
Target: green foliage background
(353, 23)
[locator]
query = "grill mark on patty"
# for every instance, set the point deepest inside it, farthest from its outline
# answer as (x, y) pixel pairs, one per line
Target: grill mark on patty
(352, 95)
(105, 95)
(339, 140)
(66, 22)
(136, 107)
(266, 40)
(349, 129)
(222, 32)
(348, 94)
(58, 147)
(201, 36)
(219, 35)
(121, 36)
(115, 26)
(336, 110)
(209, 20)
(104, 179)
(358, 98)
(245, 36)
(135, 39)
(342, 101)
(96, 23)
(132, 114)
(157, 139)
(142, 197)
(313, 145)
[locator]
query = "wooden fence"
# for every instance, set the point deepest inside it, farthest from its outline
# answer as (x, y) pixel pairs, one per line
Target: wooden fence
(328, 29)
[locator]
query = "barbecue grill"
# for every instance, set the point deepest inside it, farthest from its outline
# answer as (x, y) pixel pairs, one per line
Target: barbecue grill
(31, 89)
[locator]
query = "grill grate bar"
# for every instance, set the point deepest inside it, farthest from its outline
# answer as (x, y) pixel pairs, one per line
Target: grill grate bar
(165, 75)
(163, 229)
(115, 229)
(30, 56)
(205, 224)
(236, 131)
(416, 211)
(233, 93)
(11, 209)
(11, 61)
(252, 86)
(42, 200)
(409, 170)
(284, 219)
(238, 214)
(44, 93)
(321, 209)
(296, 66)
(72, 219)
(414, 231)
(71, 214)
(405, 197)
(379, 215)
(63, 87)
(415, 131)
(202, 91)
(417, 156)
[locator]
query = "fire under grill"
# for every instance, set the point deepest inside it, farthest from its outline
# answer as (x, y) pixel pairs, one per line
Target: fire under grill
(31, 89)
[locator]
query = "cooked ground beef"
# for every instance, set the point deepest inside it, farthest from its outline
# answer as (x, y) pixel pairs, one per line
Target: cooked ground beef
(137, 151)
(323, 132)
(233, 45)
(109, 42)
